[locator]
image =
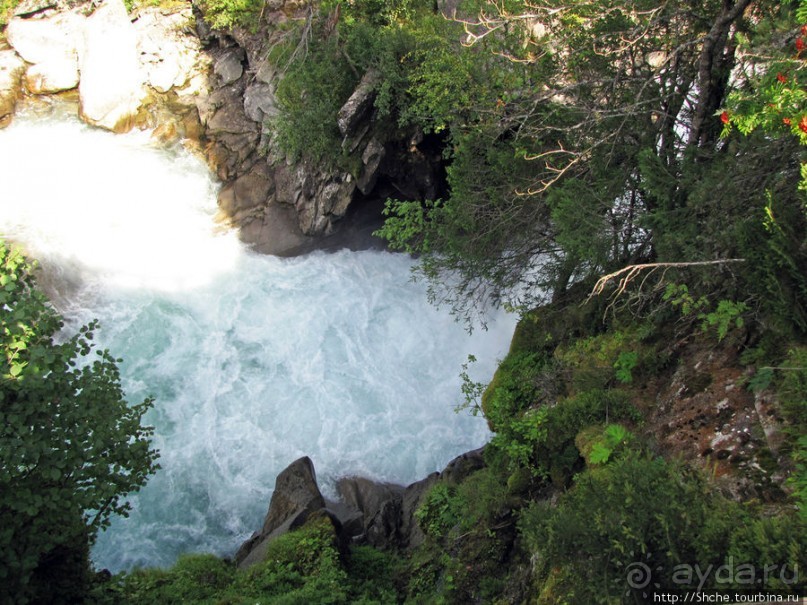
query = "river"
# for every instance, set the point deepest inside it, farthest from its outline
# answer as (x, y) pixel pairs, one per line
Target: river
(253, 360)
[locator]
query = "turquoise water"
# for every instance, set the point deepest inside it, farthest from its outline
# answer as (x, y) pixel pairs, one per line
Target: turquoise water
(253, 360)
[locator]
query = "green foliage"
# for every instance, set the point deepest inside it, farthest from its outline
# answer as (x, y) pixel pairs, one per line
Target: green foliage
(791, 388)
(798, 480)
(542, 438)
(373, 575)
(71, 448)
(6, 10)
(773, 99)
(303, 566)
(624, 365)
(309, 97)
(773, 543)
(613, 437)
(472, 390)
(227, 14)
(631, 510)
(522, 380)
(594, 362)
(483, 498)
(193, 579)
(726, 315)
(439, 510)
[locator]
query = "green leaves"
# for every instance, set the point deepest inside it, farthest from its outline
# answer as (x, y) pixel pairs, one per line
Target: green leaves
(71, 447)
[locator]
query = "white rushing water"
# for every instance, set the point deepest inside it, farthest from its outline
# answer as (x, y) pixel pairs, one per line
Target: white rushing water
(253, 360)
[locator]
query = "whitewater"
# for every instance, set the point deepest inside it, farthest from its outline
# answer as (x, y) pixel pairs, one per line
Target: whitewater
(253, 360)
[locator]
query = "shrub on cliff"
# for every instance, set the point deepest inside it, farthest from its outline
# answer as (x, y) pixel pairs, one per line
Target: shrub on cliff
(71, 447)
(644, 524)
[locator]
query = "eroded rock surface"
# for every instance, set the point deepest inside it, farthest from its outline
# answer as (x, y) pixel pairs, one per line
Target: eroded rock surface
(371, 512)
(295, 498)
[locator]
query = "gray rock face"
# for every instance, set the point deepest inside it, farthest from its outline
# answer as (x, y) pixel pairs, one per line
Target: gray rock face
(228, 65)
(169, 57)
(356, 108)
(380, 505)
(379, 514)
(259, 102)
(295, 498)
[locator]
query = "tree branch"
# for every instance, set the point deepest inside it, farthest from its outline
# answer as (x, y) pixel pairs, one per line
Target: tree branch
(627, 274)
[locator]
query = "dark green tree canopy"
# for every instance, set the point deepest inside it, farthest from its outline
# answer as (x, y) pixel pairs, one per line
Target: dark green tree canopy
(71, 448)
(613, 144)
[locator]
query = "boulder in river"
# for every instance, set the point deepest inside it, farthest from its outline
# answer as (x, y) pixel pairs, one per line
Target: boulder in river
(50, 44)
(296, 496)
(379, 514)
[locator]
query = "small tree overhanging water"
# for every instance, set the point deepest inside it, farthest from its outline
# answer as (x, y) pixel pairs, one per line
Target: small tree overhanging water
(71, 448)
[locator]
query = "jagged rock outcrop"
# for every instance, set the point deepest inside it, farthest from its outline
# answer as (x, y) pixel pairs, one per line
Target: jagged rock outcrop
(295, 498)
(379, 514)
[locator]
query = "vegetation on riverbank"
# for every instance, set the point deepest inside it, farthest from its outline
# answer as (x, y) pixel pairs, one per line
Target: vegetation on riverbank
(654, 426)
(580, 138)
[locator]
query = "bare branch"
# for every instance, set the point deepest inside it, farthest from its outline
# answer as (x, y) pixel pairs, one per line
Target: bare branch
(627, 274)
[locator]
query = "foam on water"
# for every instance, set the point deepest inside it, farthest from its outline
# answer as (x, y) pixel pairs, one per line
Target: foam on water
(253, 360)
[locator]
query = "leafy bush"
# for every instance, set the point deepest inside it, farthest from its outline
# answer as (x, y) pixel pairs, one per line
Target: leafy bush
(594, 362)
(542, 438)
(71, 447)
(309, 97)
(632, 511)
(193, 579)
(439, 511)
(598, 445)
(791, 387)
(776, 544)
(226, 14)
(303, 566)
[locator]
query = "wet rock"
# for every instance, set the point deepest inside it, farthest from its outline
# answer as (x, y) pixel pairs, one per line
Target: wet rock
(246, 193)
(295, 498)
(50, 45)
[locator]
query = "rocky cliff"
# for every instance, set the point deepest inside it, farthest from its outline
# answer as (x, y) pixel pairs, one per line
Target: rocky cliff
(166, 69)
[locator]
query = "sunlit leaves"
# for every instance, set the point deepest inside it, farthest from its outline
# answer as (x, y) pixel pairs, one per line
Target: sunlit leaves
(71, 447)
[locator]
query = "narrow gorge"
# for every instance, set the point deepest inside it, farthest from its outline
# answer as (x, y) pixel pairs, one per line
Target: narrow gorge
(253, 360)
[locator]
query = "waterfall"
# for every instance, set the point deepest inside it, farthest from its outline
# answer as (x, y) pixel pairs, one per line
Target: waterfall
(253, 360)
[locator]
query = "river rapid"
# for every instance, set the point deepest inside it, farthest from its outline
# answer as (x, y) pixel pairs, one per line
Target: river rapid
(253, 360)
